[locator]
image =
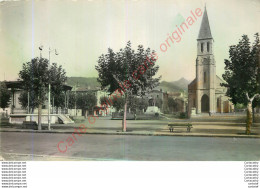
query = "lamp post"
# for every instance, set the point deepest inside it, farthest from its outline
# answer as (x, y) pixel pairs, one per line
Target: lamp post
(76, 98)
(49, 85)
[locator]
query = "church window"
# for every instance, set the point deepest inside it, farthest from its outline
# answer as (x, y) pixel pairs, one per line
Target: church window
(205, 77)
(201, 47)
(207, 46)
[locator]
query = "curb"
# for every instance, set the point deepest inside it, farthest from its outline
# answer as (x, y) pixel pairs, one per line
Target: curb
(138, 134)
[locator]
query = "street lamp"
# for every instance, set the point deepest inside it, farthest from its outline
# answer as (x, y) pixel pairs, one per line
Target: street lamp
(40, 48)
(76, 86)
(49, 86)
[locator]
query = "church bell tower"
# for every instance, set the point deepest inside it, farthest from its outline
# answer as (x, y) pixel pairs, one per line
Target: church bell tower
(205, 69)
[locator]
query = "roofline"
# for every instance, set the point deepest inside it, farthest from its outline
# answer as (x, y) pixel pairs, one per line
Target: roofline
(18, 85)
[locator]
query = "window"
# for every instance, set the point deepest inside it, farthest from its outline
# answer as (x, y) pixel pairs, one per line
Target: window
(201, 47)
(205, 77)
(207, 46)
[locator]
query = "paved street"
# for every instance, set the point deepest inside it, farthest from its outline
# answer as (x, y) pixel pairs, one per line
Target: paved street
(43, 146)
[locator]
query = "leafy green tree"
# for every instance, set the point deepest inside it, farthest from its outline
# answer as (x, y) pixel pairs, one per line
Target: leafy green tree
(137, 103)
(128, 72)
(143, 103)
(5, 96)
(58, 78)
(86, 101)
(118, 103)
(58, 99)
(172, 104)
(23, 100)
(36, 76)
(133, 102)
(158, 103)
(71, 100)
(104, 100)
(241, 74)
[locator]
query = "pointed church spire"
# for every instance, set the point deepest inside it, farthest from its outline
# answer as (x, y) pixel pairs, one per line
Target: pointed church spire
(205, 32)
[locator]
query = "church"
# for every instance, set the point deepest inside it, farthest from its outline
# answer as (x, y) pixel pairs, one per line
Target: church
(205, 93)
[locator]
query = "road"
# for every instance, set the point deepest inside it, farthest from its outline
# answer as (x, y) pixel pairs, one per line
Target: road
(43, 146)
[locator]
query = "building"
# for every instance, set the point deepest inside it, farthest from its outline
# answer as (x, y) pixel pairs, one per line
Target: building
(181, 101)
(18, 114)
(205, 93)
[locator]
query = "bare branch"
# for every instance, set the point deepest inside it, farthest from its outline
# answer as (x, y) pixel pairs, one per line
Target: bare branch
(256, 95)
(247, 96)
(251, 100)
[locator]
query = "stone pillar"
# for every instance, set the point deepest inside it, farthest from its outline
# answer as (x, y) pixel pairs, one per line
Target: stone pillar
(212, 75)
(198, 83)
(198, 102)
(212, 100)
(221, 105)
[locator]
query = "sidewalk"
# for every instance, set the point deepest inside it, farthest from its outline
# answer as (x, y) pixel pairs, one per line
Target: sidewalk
(150, 128)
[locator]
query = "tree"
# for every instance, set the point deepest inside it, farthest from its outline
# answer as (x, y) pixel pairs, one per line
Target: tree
(241, 75)
(172, 104)
(23, 100)
(158, 103)
(5, 96)
(118, 104)
(36, 76)
(58, 77)
(143, 103)
(86, 101)
(104, 100)
(71, 98)
(133, 103)
(58, 100)
(127, 71)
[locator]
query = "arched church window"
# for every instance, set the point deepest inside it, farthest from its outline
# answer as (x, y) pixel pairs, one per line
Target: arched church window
(207, 46)
(201, 46)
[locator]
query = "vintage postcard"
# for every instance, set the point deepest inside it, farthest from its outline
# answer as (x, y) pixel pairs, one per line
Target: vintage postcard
(133, 80)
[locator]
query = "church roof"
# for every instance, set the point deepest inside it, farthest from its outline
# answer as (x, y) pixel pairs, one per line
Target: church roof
(205, 32)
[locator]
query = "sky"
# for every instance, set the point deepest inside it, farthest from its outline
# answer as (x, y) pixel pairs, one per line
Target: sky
(82, 30)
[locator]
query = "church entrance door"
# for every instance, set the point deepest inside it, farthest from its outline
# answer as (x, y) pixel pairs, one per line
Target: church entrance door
(205, 103)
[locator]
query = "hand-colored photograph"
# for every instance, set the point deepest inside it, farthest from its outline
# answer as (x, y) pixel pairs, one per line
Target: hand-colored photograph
(133, 80)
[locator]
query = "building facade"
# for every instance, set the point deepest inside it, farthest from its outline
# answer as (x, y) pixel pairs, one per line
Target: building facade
(205, 93)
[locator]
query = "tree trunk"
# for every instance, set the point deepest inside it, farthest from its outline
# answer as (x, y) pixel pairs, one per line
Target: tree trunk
(40, 117)
(249, 120)
(124, 119)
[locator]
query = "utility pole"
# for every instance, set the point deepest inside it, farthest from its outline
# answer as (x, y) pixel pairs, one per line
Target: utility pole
(49, 92)
(49, 85)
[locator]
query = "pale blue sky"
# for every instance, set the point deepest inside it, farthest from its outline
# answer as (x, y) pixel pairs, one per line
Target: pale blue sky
(82, 30)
